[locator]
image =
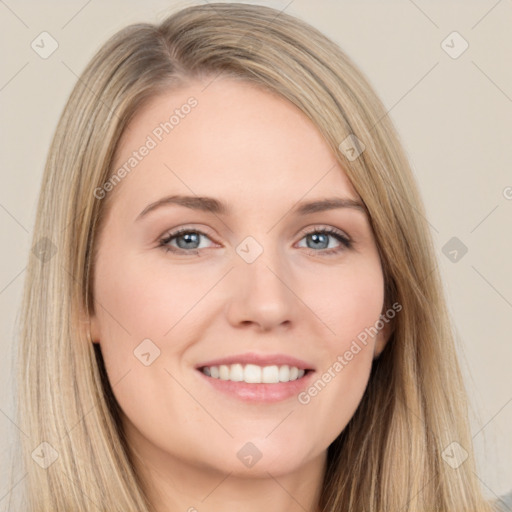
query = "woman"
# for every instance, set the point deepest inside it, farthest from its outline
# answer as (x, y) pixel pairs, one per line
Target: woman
(257, 369)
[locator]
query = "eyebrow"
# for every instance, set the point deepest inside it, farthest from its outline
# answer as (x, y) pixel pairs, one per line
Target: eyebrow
(210, 204)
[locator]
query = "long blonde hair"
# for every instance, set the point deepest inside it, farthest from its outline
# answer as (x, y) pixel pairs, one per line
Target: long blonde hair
(389, 457)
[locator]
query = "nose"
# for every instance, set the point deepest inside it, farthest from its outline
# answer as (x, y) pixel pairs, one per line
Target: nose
(262, 295)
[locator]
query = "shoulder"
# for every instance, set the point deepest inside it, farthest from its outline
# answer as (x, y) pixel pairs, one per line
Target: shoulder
(504, 504)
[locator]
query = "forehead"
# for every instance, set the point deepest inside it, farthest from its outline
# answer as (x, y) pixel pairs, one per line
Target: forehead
(229, 139)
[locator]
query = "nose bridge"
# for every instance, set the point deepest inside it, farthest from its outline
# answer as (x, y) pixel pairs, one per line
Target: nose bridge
(261, 288)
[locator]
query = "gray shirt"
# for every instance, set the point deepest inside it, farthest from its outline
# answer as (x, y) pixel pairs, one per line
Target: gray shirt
(505, 503)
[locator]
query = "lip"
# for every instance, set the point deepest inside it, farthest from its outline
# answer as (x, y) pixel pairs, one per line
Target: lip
(259, 393)
(260, 360)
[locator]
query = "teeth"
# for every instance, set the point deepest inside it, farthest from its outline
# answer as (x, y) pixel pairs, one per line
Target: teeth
(254, 374)
(236, 373)
(223, 372)
(270, 374)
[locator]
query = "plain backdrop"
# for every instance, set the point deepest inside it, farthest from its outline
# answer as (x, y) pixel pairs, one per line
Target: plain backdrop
(453, 111)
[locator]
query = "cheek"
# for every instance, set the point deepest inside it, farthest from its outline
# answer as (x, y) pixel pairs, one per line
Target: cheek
(350, 307)
(136, 302)
(136, 307)
(140, 297)
(132, 307)
(347, 300)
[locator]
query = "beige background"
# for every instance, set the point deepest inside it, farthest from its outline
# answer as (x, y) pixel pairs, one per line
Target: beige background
(454, 117)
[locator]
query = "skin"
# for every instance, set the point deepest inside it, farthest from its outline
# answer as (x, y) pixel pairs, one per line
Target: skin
(260, 155)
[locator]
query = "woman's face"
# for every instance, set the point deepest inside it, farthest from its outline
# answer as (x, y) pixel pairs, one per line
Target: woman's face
(254, 281)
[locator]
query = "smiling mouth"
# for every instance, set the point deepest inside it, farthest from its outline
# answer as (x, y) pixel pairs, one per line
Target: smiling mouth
(254, 374)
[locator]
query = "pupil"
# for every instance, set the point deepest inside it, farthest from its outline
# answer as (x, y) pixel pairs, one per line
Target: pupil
(188, 237)
(316, 237)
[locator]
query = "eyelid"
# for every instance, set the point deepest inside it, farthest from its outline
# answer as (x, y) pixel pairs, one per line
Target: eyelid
(188, 227)
(324, 227)
(174, 232)
(341, 236)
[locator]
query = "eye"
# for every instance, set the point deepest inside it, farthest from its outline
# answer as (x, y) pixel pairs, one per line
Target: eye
(319, 238)
(187, 240)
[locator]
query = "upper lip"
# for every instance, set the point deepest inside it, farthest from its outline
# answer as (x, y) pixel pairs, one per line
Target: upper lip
(260, 360)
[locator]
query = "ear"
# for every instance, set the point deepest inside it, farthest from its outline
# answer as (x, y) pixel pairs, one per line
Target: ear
(92, 326)
(382, 338)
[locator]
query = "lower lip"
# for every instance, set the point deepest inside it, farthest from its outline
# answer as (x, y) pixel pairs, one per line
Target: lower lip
(262, 393)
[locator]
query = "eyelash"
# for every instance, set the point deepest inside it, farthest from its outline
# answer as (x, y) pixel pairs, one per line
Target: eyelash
(345, 242)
